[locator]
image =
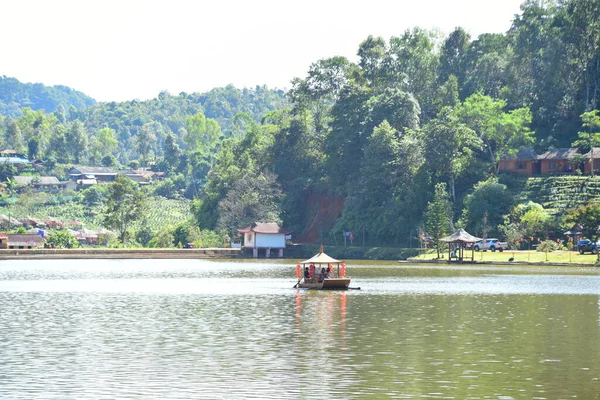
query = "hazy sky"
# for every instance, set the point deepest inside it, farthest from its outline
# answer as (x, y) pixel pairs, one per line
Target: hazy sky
(116, 50)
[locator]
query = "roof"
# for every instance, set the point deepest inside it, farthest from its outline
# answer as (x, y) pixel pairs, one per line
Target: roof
(320, 258)
(3, 236)
(25, 240)
(523, 154)
(92, 170)
(594, 153)
(460, 236)
(14, 160)
(39, 180)
(265, 227)
(565, 153)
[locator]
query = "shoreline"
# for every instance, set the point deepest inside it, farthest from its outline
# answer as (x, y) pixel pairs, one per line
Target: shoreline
(68, 254)
(515, 263)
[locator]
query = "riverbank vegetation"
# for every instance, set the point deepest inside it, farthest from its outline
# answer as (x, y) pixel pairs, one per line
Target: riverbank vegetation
(366, 146)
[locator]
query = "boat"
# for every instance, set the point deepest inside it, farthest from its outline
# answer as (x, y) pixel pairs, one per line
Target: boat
(336, 279)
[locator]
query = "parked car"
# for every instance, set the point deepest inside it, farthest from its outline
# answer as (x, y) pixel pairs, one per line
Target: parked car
(585, 245)
(491, 244)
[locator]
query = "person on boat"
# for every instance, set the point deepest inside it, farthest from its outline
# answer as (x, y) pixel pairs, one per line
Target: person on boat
(323, 274)
(306, 273)
(329, 272)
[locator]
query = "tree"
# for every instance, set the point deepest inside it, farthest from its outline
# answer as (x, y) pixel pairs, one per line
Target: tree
(125, 204)
(486, 206)
(590, 139)
(104, 144)
(438, 218)
(13, 137)
(33, 146)
(62, 240)
(588, 217)
(453, 56)
(171, 151)
(144, 142)
(252, 198)
(500, 132)
(77, 141)
(449, 146)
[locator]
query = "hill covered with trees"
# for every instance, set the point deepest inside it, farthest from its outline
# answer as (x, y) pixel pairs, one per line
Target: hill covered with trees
(15, 95)
(403, 140)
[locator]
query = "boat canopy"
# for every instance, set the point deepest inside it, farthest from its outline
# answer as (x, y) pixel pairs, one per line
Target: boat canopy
(321, 258)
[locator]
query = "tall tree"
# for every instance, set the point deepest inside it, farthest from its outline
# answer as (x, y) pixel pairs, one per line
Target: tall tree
(13, 137)
(453, 56)
(144, 142)
(252, 198)
(438, 217)
(125, 204)
(500, 132)
(449, 146)
(77, 141)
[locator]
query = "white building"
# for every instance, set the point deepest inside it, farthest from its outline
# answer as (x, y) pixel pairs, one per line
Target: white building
(266, 236)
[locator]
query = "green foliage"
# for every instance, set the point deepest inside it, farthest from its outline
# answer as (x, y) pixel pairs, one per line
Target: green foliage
(62, 240)
(485, 207)
(438, 218)
(588, 217)
(125, 204)
(547, 246)
(252, 198)
(14, 95)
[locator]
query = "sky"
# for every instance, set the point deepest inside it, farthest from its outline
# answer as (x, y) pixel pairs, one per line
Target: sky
(118, 50)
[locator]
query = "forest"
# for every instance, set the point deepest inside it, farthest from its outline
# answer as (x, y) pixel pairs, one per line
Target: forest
(404, 140)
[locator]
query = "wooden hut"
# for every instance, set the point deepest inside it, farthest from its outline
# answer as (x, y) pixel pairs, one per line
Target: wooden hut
(458, 242)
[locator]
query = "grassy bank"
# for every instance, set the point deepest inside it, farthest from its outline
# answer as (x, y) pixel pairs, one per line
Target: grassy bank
(555, 257)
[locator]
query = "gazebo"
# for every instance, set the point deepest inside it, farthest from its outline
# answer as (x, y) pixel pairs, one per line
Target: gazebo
(460, 239)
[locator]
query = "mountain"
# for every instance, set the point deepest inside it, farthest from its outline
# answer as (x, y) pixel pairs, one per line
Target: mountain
(15, 95)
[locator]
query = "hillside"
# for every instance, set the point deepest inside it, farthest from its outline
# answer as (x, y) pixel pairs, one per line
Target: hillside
(557, 194)
(15, 95)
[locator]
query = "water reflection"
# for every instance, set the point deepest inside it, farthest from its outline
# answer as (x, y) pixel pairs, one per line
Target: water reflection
(189, 329)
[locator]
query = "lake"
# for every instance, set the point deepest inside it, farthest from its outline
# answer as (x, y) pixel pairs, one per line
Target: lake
(204, 329)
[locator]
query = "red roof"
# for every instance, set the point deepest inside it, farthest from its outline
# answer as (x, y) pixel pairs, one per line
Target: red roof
(265, 227)
(3, 236)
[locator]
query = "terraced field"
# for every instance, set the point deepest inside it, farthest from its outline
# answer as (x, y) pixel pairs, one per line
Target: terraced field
(557, 194)
(161, 212)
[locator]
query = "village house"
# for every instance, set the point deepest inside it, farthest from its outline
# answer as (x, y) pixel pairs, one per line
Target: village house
(100, 174)
(7, 222)
(3, 241)
(560, 160)
(594, 155)
(266, 236)
(26, 241)
(53, 223)
(46, 183)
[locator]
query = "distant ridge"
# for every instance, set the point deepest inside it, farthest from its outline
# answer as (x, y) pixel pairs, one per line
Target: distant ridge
(14, 95)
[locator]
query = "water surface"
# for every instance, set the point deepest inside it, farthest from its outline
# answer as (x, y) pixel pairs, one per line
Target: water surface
(194, 329)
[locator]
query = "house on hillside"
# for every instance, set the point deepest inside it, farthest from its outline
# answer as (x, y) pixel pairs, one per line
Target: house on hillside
(80, 184)
(523, 163)
(27, 241)
(7, 222)
(555, 160)
(53, 223)
(593, 155)
(265, 236)
(18, 162)
(100, 174)
(46, 183)
(138, 175)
